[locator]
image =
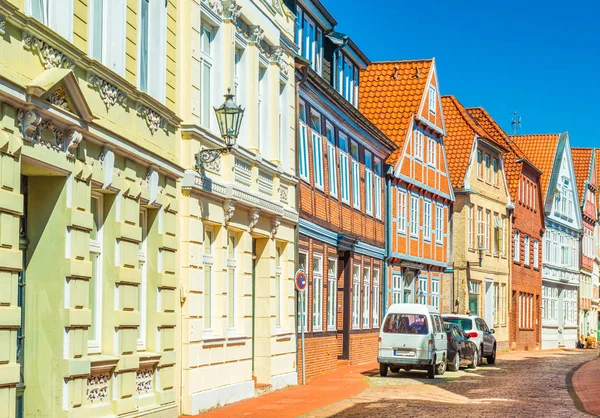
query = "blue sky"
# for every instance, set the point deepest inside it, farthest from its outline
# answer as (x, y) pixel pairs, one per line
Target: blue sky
(538, 58)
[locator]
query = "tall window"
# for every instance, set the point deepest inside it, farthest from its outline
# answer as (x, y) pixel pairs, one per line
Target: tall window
(375, 297)
(231, 287)
(423, 290)
(397, 288)
(474, 291)
(517, 243)
(427, 220)
(366, 311)
(152, 49)
(495, 171)
(414, 215)
(480, 229)
(278, 285)
(355, 175)
(310, 40)
(56, 14)
(303, 143)
(284, 147)
(317, 143)
(355, 297)
(497, 234)
(208, 276)
(378, 188)
(344, 168)
(488, 218)
(331, 294)
(106, 33)
(302, 297)
(526, 248)
(496, 297)
(143, 287)
(488, 171)
(264, 135)
(418, 144)
(402, 211)
(432, 99)
(431, 151)
(317, 292)
(480, 169)
(331, 160)
(95, 282)
(439, 223)
(368, 183)
(503, 304)
(347, 78)
(470, 225)
(207, 35)
(435, 292)
(536, 253)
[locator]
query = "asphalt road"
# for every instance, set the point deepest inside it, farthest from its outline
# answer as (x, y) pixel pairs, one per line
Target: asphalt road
(532, 384)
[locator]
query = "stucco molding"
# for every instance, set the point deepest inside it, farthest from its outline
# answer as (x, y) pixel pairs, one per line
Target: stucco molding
(50, 57)
(253, 221)
(228, 210)
(2, 25)
(110, 94)
(153, 119)
(231, 10)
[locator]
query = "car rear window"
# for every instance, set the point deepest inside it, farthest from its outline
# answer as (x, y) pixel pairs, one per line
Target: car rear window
(464, 323)
(406, 324)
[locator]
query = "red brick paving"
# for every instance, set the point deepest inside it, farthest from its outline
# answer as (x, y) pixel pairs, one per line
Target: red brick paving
(586, 382)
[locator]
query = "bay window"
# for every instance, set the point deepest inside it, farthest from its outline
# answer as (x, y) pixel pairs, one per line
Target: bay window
(347, 78)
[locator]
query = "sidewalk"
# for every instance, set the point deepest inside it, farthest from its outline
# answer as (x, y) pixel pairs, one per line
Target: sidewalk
(587, 387)
(323, 390)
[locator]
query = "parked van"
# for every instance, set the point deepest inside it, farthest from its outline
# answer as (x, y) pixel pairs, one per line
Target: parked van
(412, 337)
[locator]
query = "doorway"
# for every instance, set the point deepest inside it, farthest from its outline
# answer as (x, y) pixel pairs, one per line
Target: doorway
(489, 302)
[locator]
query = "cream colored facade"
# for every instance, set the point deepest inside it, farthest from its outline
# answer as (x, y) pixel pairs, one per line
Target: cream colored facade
(238, 213)
(88, 215)
(483, 289)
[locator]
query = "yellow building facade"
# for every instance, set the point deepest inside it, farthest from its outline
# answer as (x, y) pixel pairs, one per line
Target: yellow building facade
(89, 208)
(238, 215)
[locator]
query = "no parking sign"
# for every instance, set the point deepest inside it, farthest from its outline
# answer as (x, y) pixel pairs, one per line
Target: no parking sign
(301, 280)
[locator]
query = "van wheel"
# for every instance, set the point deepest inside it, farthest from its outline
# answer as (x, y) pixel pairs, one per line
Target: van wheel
(441, 368)
(394, 369)
(431, 371)
(383, 369)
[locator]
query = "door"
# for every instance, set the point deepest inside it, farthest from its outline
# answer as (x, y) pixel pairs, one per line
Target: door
(409, 285)
(441, 342)
(489, 301)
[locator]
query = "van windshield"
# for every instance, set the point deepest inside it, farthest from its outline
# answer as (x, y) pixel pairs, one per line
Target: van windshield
(464, 323)
(406, 324)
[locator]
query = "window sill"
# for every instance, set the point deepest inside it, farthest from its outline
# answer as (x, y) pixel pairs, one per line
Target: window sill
(331, 329)
(282, 335)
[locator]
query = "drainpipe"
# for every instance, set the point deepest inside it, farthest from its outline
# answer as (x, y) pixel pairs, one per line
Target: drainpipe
(388, 240)
(301, 65)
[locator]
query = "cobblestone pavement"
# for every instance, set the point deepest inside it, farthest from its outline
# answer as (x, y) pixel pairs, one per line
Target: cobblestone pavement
(533, 384)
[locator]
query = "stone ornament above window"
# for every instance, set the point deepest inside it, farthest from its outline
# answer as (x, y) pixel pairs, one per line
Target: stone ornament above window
(231, 10)
(97, 387)
(110, 94)
(153, 119)
(51, 57)
(37, 131)
(59, 98)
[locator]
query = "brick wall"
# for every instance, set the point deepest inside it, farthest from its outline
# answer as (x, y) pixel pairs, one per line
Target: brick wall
(321, 356)
(363, 347)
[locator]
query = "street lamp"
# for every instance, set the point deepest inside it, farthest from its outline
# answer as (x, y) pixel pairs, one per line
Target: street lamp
(229, 118)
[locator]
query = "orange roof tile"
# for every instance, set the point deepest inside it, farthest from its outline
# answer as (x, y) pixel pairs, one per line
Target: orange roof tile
(461, 129)
(582, 161)
(390, 95)
(540, 149)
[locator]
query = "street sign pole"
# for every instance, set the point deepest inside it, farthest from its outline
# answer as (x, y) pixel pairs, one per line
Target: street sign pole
(301, 282)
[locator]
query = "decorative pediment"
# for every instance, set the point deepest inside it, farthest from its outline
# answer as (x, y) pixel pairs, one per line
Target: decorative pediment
(59, 87)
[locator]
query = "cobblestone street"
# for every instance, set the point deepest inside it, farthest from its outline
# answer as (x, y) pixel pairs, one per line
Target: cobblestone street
(533, 384)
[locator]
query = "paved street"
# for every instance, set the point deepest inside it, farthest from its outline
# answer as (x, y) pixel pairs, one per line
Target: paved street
(524, 384)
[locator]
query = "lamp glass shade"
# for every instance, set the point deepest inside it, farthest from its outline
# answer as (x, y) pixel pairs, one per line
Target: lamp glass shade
(229, 118)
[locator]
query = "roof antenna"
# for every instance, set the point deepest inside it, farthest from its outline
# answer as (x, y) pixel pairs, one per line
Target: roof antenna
(516, 123)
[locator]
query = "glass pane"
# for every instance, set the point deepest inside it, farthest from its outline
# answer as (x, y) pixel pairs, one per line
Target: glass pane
(206, 93)
(96, 219)
(38, 10)
(208, 240)
(97, 18)
(206, 39)
(144, 46)
(302, 261)
(406, 324)
(93, 284)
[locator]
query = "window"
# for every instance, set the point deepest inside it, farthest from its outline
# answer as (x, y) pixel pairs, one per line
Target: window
(301, 300)
(517, 241)
(95, 282)
(331, 160)
(439, 224)
(317, 143)
(152, 50)
(355, 297)
(488, 219)
(502, 235)
(143, 287)
(368, 183)
(396, 288)
(402, 211)
(344, 168)
(418, 144)
(378, 188)
(497, 234)
(331, 294)
(435, 292)
(347, 78)
(106, 33)
(208, 276)
(310, 40)
(366, 316)
(474, 291)
(406, 324)
(414, 215)
(536, 253)
(432, 100)
(284, 147)
(480, 169)
(496, 297)
(495, 172)
(488, 171)
(480, 229)
(422, 290)
(427, 220)
(502, 304)
(56, 14)
(526, 248)
(207, 35)
(375, 297)
(303, 140)
(231, 287)
(355, 175)
(431, 151)
(317, 292)
(263, 116)
(470, 225)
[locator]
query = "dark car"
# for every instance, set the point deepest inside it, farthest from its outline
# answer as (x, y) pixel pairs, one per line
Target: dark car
(461, 350)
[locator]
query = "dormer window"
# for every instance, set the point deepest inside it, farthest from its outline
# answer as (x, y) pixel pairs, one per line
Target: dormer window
(310, 40)
(347, 79)
(432, 100)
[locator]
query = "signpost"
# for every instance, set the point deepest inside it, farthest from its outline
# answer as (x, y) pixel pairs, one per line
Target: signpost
(301, 282)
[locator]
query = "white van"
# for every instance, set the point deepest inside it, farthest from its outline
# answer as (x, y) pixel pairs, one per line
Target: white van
(412, 337)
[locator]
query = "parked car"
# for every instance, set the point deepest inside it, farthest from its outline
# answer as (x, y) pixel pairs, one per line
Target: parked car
(461, 350)
(479, 332)
(412, 337)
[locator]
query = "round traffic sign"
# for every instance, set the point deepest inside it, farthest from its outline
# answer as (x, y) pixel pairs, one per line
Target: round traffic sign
(301, 280)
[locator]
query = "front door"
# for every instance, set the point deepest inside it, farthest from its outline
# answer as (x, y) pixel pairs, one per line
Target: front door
(489, 301)
(409, 286)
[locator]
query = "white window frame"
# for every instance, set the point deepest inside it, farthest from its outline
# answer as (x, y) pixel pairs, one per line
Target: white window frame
(112, 33)
(366, 299)
(344, 168)
(207, 65)
(279, 255)
(376, 304)
(303, 159)
(331, 159)
(526, 248)
(435, 292)
(368, 184)
(232, 279)
(143, 287)
(432, 100)
(94, 343)
(355, 177)
(427, 220)
(402, 207)
(317, 145)
(356, 296)
(431, 151)
(517, 244)
(332, 295)
(397, 288)
(439, 219)
(208, 260)
(480, 229)
(57, 15)
(414, 215)
(157, 50)
(418, 144)
(470, 231)
(303, 299)
(378, 187)
(423, 290)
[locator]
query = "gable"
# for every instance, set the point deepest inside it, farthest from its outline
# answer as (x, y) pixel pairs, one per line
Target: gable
(59, 87)
(430, 109)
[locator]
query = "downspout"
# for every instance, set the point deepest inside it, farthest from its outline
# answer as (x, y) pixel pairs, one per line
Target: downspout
(388, 240)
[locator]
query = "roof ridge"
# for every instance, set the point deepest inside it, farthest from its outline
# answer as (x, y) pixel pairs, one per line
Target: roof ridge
(403, 61)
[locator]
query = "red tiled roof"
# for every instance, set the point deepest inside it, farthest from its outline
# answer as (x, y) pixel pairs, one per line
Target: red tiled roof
(461, 129)
(390, 95)
(540, 149)
(582, 161)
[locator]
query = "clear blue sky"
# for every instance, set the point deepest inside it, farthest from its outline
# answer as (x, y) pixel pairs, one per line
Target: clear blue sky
(539, 58)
